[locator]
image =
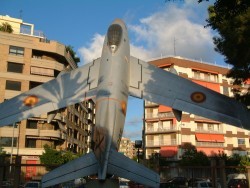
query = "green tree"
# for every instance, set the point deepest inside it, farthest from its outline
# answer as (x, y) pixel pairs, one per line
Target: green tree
(53, 158)
(72, 53)
(6, 27)
(2, 152)
(231, 19)
(245, 161)
(192, 157)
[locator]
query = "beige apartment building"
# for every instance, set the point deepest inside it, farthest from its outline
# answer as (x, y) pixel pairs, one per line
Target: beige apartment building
(28, 59)
(127, 147)
(165, 135)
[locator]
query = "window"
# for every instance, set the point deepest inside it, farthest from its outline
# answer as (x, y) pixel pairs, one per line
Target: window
(30, 143)
(210, 127)
(15, 67)
(75, 134)
(34, 84)
(13, 85)
(14, 50)
(7, 141)
(241, 141)
(31, 124)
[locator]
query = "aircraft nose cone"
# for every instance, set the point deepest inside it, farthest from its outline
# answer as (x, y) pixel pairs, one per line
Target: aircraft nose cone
(114, 36)
(118, 21)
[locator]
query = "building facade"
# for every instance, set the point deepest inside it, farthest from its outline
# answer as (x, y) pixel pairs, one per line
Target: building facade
(165, 135)
(127, 147)
(28, 59)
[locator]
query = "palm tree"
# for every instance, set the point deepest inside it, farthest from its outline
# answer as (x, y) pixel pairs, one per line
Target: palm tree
(6, 27)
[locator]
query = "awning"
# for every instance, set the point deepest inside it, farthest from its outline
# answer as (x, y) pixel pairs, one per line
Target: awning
(168, 151)
(204, 70)
(209, 85)
(209, 137)
(210, 151)
(163, 108)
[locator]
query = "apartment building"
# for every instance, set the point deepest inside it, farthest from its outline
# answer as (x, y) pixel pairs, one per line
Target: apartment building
(127, 147)
(28, 59)
(165, 135)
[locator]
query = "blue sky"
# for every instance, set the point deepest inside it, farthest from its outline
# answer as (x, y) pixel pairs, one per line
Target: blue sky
(156, 28)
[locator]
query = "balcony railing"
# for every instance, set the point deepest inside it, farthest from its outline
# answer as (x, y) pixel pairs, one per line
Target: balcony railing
(158, 143)
(210, 144)
(50, 133)
(148, 104)
(208, 130)
(160, 130)
(159, 115)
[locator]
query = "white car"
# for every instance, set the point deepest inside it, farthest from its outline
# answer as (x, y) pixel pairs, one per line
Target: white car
(123, 184)
(203, 184)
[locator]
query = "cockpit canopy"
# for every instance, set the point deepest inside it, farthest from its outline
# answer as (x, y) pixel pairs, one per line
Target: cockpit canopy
(114, 37)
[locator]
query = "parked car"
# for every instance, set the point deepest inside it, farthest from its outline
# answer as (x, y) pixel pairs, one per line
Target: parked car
(32, 184)
(123, 184)
(176, 182)
(237, 183)
(203, 184)
(6, 184)
(192, 181)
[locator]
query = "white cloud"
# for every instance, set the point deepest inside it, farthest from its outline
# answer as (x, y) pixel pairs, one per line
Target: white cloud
(170, 31)
(93, 50)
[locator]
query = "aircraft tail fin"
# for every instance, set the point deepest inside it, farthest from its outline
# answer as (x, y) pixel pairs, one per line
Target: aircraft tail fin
(124, 167)
(80, 167)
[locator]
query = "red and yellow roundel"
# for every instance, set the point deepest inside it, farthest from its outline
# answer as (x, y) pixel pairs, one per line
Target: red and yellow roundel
(30, 100)
(124, 107)
(198, 97)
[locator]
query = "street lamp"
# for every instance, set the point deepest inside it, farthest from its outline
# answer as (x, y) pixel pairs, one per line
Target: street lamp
(12, 144)
(179, 139)
(138, 145)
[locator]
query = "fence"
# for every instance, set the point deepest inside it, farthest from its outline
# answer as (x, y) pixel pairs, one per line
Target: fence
(16, 174)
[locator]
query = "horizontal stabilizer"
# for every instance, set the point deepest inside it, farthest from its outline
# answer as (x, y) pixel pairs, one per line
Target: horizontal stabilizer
(80, 167)
(124, 167)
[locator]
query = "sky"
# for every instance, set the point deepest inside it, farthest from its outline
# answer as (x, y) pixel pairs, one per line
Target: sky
(157, 28)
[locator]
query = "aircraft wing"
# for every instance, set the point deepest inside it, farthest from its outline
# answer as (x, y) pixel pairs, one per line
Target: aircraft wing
(67, 89)
(80, 167)
(156, 85)
(122, 166)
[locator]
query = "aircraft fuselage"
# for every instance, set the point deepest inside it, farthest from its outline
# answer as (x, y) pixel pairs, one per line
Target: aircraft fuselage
(112, 94)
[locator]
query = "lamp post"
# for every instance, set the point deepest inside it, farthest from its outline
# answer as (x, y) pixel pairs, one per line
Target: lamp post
(12, 145)
(179, 140)
(138, 145)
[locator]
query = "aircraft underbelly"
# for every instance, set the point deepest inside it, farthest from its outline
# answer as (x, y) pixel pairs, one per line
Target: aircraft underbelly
(111, 106)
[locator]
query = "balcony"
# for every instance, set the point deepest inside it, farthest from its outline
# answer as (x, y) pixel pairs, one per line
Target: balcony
(90, 106)
(203, 119)
(160, 130)
(32, 132)
(48, 64)
(209, 144)
(150, 104)
(50, 133)
(167, 115)
(201, 130)
(159, 143)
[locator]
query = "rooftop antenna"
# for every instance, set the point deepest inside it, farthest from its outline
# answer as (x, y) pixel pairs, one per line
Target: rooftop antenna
(174, 47)
(21, 14)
